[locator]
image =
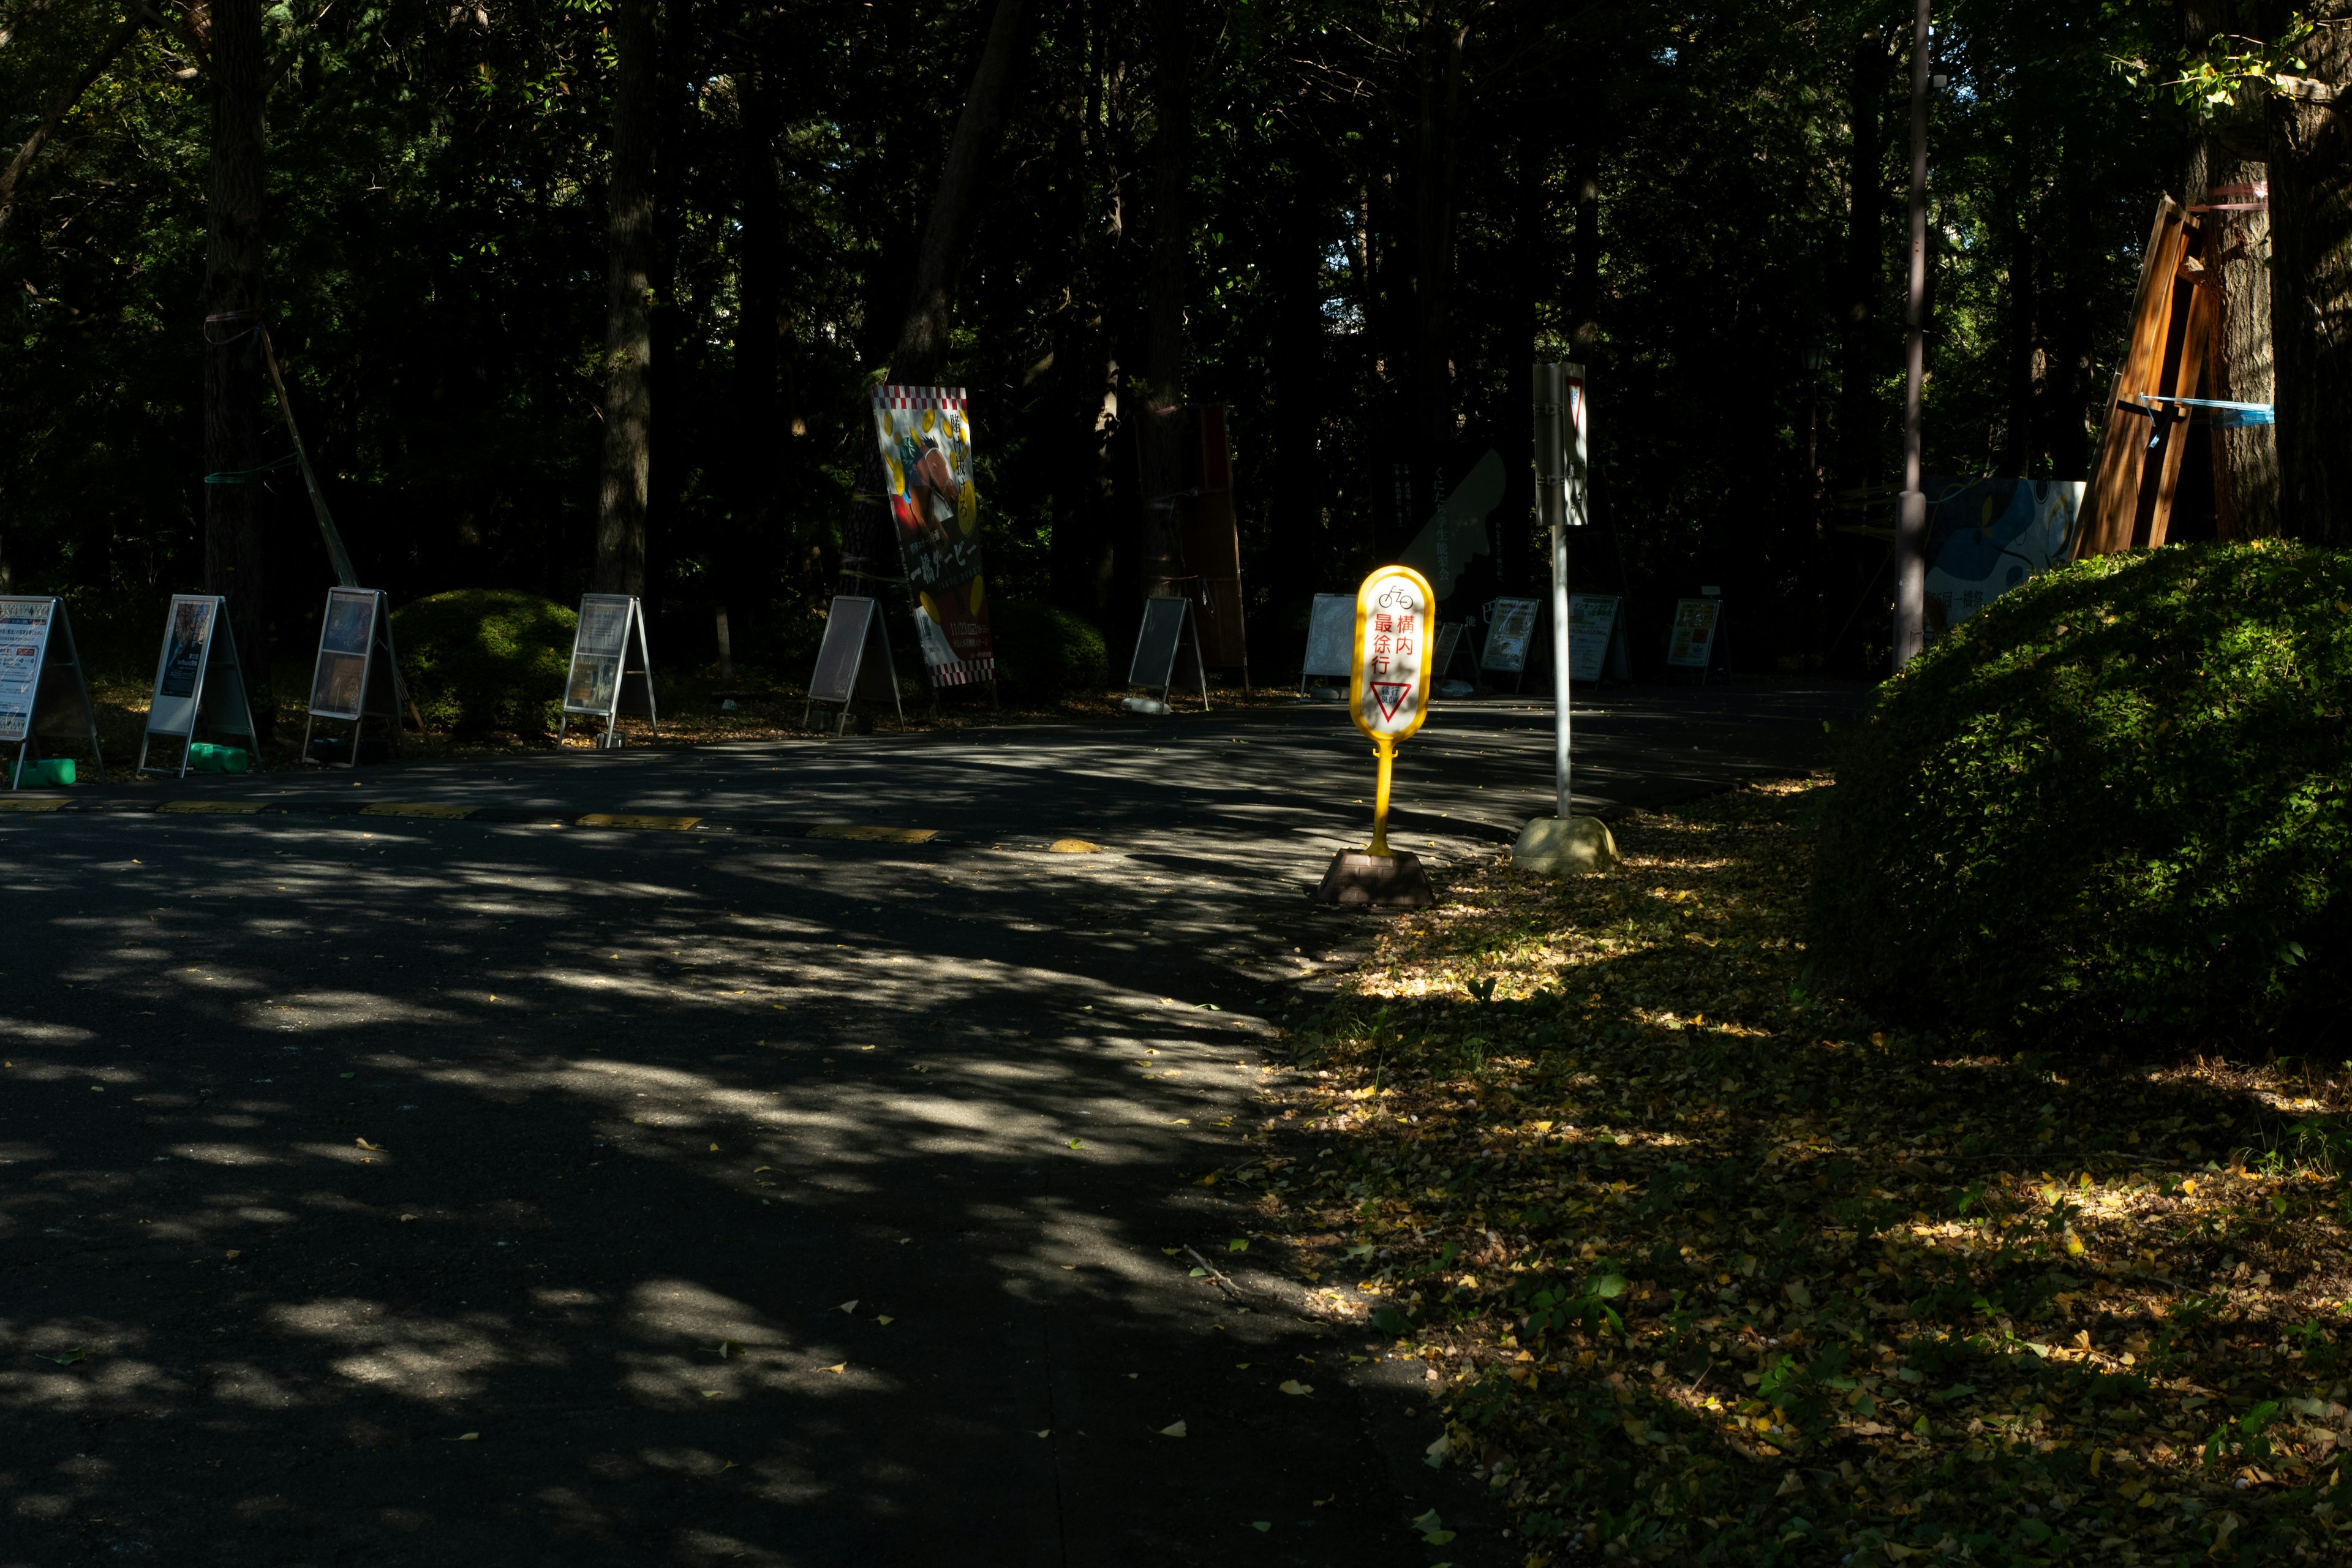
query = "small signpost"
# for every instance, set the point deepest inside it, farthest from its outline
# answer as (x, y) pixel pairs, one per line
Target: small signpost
(1387, 697)
(1510, 629)
(854, 661)
(1596, 638)
(608, 653)
(1696, 640)
(198, 681)
(1562, 841)
(1167, 649)
(356, 676)
(42, 691)
(1330, 631)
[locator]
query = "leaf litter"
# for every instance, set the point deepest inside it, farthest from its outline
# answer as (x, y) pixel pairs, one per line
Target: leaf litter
(1708, 1265)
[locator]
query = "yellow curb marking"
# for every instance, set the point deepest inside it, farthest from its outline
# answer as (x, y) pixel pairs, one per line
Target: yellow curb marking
(1074, 846)
(213, 807)
(622, 819)
(874, 835)
(32, 805)
(417, 808)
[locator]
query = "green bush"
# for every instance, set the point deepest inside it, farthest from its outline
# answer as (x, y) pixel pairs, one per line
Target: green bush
(2110, 807)
(480, 659)
(1043, 652)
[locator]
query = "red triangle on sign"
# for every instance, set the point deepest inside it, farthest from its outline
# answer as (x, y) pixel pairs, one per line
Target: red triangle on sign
(1389, 695)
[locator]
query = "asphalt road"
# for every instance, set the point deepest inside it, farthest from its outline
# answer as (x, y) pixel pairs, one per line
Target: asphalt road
(385, 1189)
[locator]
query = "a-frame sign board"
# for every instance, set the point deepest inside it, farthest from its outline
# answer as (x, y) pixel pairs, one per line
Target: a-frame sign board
(42, 691)
(1167, 650)
(854, 663)
(612, 669)
(198, 681)
(357, 676)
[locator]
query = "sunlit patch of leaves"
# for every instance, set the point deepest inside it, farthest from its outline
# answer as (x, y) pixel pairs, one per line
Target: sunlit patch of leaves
(1709, 1268)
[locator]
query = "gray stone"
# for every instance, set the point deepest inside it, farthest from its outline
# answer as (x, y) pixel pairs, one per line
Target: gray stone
(1550, 845)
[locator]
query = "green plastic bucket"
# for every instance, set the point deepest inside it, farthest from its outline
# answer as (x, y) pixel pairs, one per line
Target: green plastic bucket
(203, 758)
(46, 775)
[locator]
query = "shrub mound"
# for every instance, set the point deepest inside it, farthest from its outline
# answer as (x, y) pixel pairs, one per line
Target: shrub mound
(480, 659)
(1043, 652)
(2111, 806)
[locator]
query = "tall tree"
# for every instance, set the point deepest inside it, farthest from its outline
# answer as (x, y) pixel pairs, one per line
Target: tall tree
(628, 314)
(2240, 367)
(2311, 281)
(235, 559)
(744, 555)
(922, 350)
(1860, 420)
(1160, 432)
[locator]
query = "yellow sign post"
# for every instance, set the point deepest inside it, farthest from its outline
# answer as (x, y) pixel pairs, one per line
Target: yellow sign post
(1388, 691)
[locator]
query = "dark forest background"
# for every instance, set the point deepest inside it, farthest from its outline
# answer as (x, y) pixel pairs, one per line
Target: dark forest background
(1390, 210)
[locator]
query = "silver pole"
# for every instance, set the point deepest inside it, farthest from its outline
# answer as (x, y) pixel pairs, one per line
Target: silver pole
(1560, 468)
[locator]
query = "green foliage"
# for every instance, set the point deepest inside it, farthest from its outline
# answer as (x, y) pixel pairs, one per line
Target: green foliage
(484, 658)
(1044, 652)
(2112, 805)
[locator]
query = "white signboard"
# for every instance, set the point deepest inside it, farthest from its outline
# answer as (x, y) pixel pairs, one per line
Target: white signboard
(23, 645)
(1692, 642)
(608, 652)
(198, 679)
(1330, 653)
(179, 672)
(1509, 628)
(1395, 634)
(1595, 630)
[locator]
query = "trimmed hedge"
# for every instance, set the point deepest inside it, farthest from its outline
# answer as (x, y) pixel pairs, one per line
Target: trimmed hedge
(2111, 807)
(480, 659)
(1043, 652)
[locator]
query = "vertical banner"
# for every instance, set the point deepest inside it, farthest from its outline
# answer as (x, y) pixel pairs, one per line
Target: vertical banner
(925, 439)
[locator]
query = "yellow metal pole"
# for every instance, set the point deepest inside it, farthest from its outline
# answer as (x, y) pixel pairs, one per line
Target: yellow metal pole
(1387, 748)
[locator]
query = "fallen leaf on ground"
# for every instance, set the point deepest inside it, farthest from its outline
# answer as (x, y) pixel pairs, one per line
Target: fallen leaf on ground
(884, 1318)
(1292, 1385)
(1173, 1429)
(71, 1357)
(838, 1367)
(848, 1306)
(371, 1148)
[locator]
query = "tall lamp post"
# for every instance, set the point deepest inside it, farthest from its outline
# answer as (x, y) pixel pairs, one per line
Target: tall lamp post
(1911, 512)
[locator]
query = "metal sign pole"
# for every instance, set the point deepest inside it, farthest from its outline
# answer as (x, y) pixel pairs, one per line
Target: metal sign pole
(1562, 841)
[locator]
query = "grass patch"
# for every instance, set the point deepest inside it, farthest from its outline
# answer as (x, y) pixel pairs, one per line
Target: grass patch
(1705, 1267)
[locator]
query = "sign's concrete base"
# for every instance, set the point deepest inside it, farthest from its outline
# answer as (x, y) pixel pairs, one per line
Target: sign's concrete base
(1358, 880)
(1550, 845)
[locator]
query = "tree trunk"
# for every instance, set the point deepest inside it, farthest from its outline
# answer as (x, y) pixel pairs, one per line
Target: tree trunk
(2311, 282)
(746, 556)
(1432, 271)
(60, 105)
(1159, 434)
(2238, 365)
(1858, 403)
(628, 317)
(2024, 313)
(234, 556)
(922, 350)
